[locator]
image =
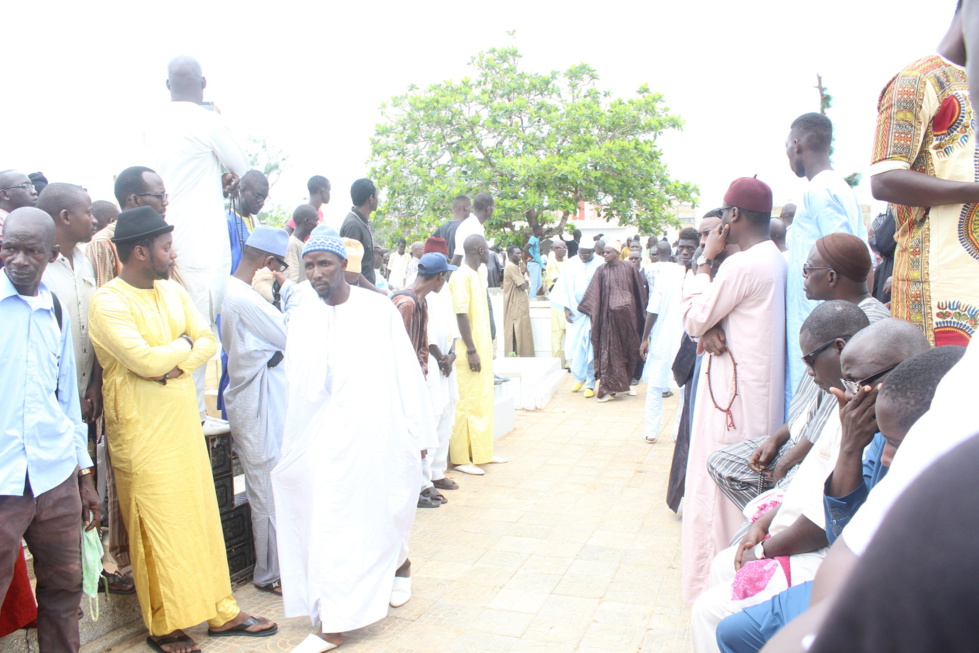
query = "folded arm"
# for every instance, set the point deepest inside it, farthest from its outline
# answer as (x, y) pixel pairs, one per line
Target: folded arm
(113, 328)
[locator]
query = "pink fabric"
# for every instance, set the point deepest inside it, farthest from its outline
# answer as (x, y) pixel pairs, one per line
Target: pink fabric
(747, 299)
(757, 575)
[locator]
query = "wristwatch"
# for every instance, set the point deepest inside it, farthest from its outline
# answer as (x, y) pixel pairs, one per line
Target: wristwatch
(703, 260)
(759, 550)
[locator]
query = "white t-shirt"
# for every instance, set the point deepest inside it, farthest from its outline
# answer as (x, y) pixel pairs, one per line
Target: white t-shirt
(469, 226)
(949, 422)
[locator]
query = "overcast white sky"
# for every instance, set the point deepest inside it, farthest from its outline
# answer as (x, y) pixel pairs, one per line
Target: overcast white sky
(310, 76)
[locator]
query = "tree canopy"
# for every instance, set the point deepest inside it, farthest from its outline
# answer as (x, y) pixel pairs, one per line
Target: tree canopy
(539, 143)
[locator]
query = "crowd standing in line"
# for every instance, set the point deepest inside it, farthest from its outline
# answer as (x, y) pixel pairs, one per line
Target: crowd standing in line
(809, 405)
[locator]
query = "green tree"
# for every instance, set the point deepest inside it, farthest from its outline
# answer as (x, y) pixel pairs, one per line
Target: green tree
(269, 159)
(539, 143)
(266, 158)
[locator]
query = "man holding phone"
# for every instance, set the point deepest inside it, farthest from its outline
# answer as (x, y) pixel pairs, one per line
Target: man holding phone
(187, 145)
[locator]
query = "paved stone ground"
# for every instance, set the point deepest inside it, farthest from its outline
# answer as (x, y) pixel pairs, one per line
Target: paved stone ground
(568, 547)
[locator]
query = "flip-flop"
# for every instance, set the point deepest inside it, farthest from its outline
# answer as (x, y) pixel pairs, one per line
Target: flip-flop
(425, 501)
(158, 644)
(241, 630)
(272, 588)
(314, 644)
(446, 484)
(434, 495)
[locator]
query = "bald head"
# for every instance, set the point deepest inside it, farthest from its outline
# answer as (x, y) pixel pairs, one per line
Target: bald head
(105, 213)
(28, 247)
(18, 190)
(71, 209)
(788, 214)
(776, 230)
(31, 219)
(881, 345)
(185, 80)
(59, 196)
(664, 250)
(473, 243)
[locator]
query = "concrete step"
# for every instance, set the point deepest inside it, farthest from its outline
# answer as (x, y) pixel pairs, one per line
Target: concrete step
(119, 620)
(533, 381)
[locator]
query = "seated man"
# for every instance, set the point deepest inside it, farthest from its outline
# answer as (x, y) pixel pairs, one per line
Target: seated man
(796, 528)
(902, 399)
(837, 268)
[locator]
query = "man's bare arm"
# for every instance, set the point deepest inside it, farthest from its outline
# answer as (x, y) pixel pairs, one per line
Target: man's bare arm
(912, 188)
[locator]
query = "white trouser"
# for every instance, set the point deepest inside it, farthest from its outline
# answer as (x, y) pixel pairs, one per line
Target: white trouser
(654, 411)
(440, 459)
(427, 471)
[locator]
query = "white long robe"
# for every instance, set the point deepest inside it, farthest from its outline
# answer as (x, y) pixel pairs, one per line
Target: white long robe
(567, 294)
(747, 299)
(187, 145)
(346, 486)
(252, 331)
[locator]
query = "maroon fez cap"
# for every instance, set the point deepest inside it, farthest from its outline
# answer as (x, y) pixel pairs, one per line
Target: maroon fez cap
(437, 245)
(750, 194)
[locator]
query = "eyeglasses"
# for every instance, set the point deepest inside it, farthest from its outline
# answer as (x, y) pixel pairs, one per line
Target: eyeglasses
(26, 186)
(258, 196)
(810, 358)
(854, 386)
(283, 264)
(806, 268)
(163, 197)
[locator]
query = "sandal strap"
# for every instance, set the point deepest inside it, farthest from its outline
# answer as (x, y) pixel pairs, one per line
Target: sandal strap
(246, 624)
(171, 639)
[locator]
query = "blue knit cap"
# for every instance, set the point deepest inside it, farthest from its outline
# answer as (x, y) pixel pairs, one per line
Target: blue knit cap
(325, 239)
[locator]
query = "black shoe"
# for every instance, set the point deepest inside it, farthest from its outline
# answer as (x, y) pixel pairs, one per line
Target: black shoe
(428, 502)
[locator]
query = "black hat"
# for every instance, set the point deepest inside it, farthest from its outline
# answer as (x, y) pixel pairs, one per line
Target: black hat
(139, 223)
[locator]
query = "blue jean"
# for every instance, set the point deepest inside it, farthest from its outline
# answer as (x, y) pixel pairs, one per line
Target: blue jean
(534, 271)
(749, 630)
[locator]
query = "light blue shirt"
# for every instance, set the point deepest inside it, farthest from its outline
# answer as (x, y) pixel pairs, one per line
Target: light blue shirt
(43, 433)
(533, 250)
(829, 206)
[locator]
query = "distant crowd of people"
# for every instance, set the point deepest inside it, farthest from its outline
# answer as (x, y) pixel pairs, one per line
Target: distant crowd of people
(109, 335)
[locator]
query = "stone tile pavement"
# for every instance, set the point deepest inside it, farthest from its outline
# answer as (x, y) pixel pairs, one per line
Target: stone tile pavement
(568, 547)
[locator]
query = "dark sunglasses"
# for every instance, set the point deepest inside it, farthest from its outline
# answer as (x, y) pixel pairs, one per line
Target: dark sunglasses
(854, 386)
(810, 358)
